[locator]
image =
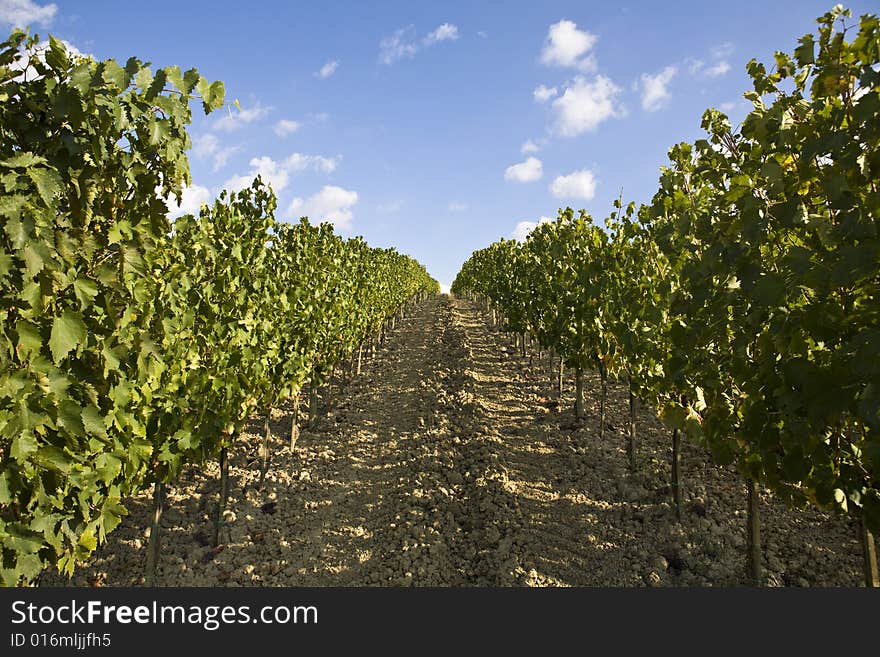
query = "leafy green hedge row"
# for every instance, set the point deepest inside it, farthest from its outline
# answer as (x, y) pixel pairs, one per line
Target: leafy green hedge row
(130, 346)
(744, 301)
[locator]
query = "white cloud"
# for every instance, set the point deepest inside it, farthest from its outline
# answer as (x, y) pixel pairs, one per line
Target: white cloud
(444, 288)
(529, 147)
(191, 201)
(528, 171)
(391, 207)
(277, 174)
(727, 106)
(221, 157)
(445, 32)
(655, 92)
(457, 206)
(205, 145)
(403, 42)
(22, 13)
(722, 50)
(717, 70)
(699, 68)
(542, 94)
(584, 105)
(577, 184)
(208, 146)
(482, 34)
(270, 171)
(286, 127)
(327, 69)
(397, 46)
(523, 228)
(299, 162)
(566, 45)
(331, 204)
(235, 119)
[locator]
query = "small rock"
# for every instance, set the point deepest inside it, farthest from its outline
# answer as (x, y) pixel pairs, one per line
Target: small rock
(772, 579)
(652, 579)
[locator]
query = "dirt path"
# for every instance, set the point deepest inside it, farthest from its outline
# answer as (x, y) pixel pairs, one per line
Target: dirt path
(448, 463)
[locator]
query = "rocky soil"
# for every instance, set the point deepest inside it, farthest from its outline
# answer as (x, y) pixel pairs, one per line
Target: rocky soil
(449, 462)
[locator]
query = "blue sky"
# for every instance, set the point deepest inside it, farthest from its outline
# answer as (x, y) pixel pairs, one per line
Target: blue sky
(437, 127)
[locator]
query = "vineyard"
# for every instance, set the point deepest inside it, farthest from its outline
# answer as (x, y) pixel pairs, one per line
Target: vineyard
(450, 461)
(685, 393)
(133, 346)
(742, 303)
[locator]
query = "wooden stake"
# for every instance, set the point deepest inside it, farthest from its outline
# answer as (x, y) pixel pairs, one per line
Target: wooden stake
(604, 374)
(264, 449)
(869, 553)
(313, 401)
(676, 479)
(224, 493)
(579, 393)
(294, 423)
(753, 520)
(631, 443)
(155, 526)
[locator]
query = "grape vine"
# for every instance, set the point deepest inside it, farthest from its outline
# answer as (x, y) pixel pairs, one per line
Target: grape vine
(132, 346)
(743, 302)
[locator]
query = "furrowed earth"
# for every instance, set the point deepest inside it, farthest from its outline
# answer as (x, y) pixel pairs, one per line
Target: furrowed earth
(450, 462)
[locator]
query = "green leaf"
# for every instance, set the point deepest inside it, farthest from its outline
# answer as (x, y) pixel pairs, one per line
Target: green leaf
(29, 338)
(176, 78)
(674, 415)
(23, 540)
(11, 206)
(5, 487)
(185, 439)
(70, 417)
(93, 421)
(115, 74)
(216, 93)
(36, 256)
(22, 160)
(5, 264)
(87, 540)
(56, 57)
(23, 445)
(53, 458)
(85, 289)
(112, 358)
(111, 515)
(48, 184)
(108, 467)
(770, 290)
(68, 332)
(804, 53)
(81, 78)
(160, 130)
(140, 451)
(30, 565)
